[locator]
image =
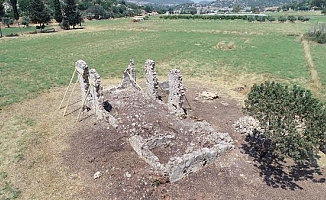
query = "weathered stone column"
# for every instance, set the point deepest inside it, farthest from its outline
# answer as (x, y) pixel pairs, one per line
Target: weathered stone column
(126, 78)
(96, 92)
(83, 74)
(151, 79)
(176, 92)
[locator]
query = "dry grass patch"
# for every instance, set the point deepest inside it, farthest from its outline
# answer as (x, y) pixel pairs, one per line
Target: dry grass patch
(223, 46)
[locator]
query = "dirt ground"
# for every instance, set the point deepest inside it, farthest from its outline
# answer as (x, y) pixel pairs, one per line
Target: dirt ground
(97, 147)
(62, 159)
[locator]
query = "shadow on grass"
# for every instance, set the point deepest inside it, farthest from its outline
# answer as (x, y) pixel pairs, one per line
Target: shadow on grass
(278, 173)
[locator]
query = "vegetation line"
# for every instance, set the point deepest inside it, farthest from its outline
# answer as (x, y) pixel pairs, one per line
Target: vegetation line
(315, 80)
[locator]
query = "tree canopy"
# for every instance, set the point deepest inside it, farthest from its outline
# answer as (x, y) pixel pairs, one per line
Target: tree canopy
(292, 120)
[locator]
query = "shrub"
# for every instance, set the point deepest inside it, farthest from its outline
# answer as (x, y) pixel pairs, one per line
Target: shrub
(292, 18)
(282, 19)
(251, 18)
(64, 25)
(25, 21)
(271, 19)
(317, 34)
(292, 120)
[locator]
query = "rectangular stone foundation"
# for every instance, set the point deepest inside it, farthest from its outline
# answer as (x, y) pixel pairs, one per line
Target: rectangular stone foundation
(177, 167)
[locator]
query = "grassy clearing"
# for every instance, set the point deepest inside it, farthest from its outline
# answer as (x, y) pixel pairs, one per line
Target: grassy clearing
(32, 64)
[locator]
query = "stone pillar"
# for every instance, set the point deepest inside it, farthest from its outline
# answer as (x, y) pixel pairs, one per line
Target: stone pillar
(151, 79)
(83, 74)
(96, 92)
(176, 92)
(126, 79)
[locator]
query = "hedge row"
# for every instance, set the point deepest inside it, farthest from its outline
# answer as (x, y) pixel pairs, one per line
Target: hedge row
(250, 18)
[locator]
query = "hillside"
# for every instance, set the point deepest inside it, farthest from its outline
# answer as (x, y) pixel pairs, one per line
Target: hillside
(161, 2)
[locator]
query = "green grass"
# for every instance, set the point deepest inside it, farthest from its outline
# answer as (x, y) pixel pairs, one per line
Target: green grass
(34, 63)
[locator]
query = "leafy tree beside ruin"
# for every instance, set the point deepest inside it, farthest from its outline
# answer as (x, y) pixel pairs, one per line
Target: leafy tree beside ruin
(292, 120)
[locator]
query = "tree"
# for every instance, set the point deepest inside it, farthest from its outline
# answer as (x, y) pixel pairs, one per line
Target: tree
(57, 11)
(282, 19)
(292, 120)
(71, 14)
(2, 13)
(292, 18)
(38, 12)
(24, 6)
(236, 8)
(25, 21)
(15, 10)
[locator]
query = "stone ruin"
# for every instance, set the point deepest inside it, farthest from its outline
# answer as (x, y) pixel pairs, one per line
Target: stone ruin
(176, 92)
(192, 147)
(195, 156)
(83, 73)
(91, 89)
(129, 75)
(151, 79)
(96, 92)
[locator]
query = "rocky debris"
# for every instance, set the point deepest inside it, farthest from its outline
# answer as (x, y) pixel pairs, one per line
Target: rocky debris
(97, 175)
(176, 92)
(247, 125)
(151, 79)
(209, 95)
(127, 175)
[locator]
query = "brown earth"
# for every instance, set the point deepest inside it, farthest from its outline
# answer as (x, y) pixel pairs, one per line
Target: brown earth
(62, 158)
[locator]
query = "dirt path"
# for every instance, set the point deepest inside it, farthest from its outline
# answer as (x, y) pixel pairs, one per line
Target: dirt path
(315, 80)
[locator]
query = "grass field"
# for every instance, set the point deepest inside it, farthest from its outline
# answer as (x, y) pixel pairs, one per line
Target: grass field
(32, 63)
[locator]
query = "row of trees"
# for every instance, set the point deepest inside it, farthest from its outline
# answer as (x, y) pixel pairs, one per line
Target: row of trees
(38, 12)
(68, 13)
(250, 18)
(306, 5)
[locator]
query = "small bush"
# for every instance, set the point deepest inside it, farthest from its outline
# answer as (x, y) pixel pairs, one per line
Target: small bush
(317, 34)
(25, 21)
(282, 19)
(292, 18)
(65, 25)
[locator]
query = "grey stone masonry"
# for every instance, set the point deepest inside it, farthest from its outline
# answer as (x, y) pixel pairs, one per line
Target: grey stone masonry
(126, 78)
(151, 79)
(83, 74)
(176, 92)
(96, 92)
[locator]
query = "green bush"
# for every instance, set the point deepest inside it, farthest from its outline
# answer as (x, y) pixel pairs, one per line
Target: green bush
(25, 21)
(292, 18)
(292, 120)
(317, 34)
(282, 19)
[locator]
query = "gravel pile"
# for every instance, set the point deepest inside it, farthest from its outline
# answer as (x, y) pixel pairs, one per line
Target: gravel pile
(247, 125)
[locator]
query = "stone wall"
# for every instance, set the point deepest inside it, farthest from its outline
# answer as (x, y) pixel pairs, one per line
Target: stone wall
(126, 78)
(96, 92)
(83, 73)
(151, 79)
(192, 160)
(176, 92)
